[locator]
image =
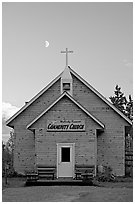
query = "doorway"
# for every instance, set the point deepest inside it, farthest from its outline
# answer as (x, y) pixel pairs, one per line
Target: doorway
(65, 160)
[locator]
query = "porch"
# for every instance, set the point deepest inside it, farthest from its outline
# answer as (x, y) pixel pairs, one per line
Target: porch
(47, 176)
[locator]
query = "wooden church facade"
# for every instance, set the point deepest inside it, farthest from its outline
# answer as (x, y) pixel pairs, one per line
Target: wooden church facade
(69, 125)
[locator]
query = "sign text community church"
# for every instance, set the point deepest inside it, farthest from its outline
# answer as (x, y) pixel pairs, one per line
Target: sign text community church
(66, 125)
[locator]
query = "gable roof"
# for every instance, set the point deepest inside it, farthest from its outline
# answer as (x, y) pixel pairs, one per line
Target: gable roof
(75, 102)
(84, 82)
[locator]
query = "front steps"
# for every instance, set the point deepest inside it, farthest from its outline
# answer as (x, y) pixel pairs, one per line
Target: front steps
(45, 172)
(47, 176)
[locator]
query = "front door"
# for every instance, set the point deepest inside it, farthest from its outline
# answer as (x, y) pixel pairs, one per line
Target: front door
(65, 160)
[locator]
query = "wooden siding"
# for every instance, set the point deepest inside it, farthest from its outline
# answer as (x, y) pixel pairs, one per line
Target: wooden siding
(24, 153)
(111, 143)
(46, 142)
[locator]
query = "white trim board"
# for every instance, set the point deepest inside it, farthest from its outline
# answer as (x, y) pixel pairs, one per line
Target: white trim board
(71, 98)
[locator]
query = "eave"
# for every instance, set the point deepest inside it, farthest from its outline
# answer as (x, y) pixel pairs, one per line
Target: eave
(55, 80)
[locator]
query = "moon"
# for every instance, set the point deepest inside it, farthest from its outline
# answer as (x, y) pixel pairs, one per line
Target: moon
(46, 43)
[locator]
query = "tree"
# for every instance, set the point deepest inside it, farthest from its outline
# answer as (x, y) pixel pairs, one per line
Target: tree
(6, 158)
(119, 100)
(129, 108)
(10, 146)
(7, 154)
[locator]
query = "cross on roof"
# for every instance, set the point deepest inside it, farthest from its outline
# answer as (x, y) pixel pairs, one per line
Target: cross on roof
(67, 51)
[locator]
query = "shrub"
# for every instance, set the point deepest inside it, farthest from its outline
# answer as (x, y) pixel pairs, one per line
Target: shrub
(106, 175)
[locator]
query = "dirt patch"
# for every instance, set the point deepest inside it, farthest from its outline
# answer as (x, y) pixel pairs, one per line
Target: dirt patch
(102, 192)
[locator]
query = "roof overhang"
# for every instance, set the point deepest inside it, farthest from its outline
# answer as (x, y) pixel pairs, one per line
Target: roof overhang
(55, 80)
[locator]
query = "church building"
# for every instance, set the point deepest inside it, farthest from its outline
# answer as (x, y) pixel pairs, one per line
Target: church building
(69, 125)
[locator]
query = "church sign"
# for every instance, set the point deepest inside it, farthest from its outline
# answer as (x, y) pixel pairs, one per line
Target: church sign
(66, 125)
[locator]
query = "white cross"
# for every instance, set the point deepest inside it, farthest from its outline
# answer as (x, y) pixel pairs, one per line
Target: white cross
(67, 51)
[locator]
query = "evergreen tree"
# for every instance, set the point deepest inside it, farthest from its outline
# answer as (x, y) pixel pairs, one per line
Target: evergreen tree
(129, 108)
(119, 100)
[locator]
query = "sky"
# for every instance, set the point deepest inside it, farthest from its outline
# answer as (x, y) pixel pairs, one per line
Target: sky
(99, 34)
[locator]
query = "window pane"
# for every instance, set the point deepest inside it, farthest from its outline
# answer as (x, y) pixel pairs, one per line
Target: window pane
(66, 86)
(65, 154)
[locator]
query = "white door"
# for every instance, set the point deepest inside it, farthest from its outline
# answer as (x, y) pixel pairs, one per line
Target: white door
(65, 160)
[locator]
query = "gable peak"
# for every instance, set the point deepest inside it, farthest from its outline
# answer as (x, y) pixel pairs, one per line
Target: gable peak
(66, 74)
(66, 81)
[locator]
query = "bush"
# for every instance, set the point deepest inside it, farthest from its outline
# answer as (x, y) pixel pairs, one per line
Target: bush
(106, 175)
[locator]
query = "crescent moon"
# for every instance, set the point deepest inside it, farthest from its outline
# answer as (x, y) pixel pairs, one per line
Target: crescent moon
(46, 43)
